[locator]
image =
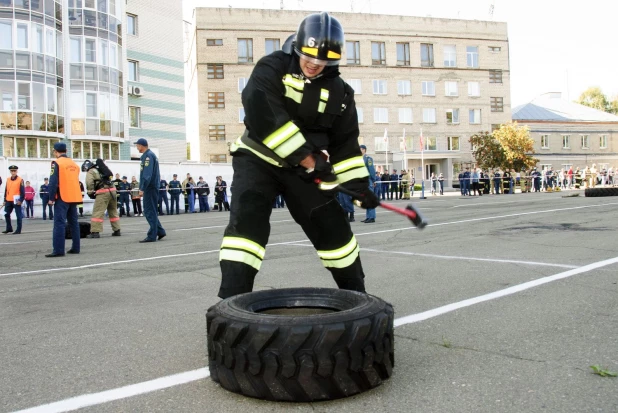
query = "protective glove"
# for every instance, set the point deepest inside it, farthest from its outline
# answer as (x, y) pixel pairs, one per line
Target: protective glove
(322, 175)
(367, 199)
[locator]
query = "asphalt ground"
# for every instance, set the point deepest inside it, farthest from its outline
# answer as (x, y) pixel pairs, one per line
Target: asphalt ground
(502, 304)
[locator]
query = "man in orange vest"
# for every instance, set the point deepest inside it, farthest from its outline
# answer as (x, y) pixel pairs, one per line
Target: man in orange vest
(64, 194)
(14, 194)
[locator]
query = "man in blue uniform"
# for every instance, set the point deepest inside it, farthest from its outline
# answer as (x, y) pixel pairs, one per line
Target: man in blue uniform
(125, 191)
(466, 182)
(149, 181)
(163, 198)
(175, 188)
(370, 214)
(44, 194)
(14, 194)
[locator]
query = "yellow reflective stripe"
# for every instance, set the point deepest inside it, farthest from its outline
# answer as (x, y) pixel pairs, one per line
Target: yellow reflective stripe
(353, 174)
(289, 146)
(333, 55)
(243, 244)
(281, 135)
(355, 162)
(339, 252)
(241, 256)
(321, 107)
(324, 94)
(239, 144)
(313, 51)
(343, 262)
(298, 84)
(328, 186)
(293, 94)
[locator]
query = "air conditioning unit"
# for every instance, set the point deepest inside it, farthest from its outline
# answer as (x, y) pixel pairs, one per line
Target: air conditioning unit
(129, 90)
(138, 91)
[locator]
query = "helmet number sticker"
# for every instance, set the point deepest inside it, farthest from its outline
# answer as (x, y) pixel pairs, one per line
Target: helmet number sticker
(311, 42)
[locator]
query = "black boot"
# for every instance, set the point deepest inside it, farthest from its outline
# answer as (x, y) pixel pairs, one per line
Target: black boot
(115, 233)
(93, 235)
(351, 219)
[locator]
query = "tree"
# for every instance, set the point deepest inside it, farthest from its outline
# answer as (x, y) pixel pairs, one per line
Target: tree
(188, 151)
(487, 151)
(517, 146)
(594, 98)
(613, 106)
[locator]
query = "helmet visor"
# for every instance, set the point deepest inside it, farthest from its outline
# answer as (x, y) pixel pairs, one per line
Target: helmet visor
(316, 61)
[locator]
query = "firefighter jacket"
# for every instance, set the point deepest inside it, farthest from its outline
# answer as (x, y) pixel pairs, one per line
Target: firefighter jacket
(289, 117)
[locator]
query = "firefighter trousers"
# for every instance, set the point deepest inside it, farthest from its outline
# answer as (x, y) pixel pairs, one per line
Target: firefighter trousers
(105, 201)
(256, 184)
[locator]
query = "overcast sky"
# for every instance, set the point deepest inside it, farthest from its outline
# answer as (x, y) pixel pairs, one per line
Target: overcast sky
(549, 40)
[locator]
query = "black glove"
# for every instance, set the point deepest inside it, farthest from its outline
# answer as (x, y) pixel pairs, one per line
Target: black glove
(322, 175)
(367, 199)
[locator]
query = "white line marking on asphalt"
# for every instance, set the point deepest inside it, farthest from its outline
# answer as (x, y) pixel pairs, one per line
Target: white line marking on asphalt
(92, 399)
(414, 318)
(294, 242)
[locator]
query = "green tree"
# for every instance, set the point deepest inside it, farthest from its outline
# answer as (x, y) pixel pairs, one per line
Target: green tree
(517, 146)
(487, 151)
(613, 106)
(594, 98)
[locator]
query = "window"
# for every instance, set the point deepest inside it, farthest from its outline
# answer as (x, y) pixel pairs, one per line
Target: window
(272, 45)
(357, 85)
(23, 96)
(403, 54)
(241, 115)
(495, 126)
(404, 87)
(379, 87)
(380, 144)
(37, 38)
(544, 141)
(428, 88)
(76, 50)
(6, 33)
(378, 53)
(495, 76)
(215, 70)
(50, 41)
(216, 132)
(245, 50)
(380, 115)
(474, 89)
(216, 100)
(359, 114)
(494, 49)
(475, 116)
(430, 143)
(429, 115)
(52, 99)
(566, 141)
(133, 70)
(497, 104)
(90, 49)
(91, 105)
(451, 89)
(585, 141)
(113, 56)
(452, 116)
(426, 55)
(22, 36)
(603, 142)
(214, 42)
(218, 158)
(453, 143)
(103, 52)
(472, 56)
(132, 24)
(242, 82)
(405, 115)
(450, 55)
(135, 117)
(7, 92)
(352, 52)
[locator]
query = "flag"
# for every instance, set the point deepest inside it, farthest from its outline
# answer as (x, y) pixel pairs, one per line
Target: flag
(421, 140)
(403, 141)
(385, 137)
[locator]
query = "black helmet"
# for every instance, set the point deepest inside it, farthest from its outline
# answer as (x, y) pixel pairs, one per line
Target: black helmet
(320, 37)
(87, 165)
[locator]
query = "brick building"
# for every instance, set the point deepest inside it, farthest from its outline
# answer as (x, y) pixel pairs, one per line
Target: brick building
(448, 77)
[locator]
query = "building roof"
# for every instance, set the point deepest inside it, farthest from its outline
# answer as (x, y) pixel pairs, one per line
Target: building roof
(551, 107)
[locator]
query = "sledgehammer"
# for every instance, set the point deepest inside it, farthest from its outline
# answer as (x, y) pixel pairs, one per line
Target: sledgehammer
(410, 211)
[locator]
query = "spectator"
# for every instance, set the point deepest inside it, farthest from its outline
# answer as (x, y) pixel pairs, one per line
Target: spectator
(44, 194)
(475, 182)
(163, 188)
(202, 192)
(137, 200)
(184, 192)
(377, 185)
(125, 195)
(405, 184)
(384, 181)
(394, 185)
(190, 188)
(441, 183)
(29, 198)
(221, 194)
(175, 188)
(434, 183)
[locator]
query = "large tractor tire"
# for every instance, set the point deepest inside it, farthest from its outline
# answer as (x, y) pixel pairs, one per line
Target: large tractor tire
(300, 344)
(603, 191)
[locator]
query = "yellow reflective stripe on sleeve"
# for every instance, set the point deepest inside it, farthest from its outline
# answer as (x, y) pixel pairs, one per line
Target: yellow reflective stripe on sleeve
(324, 94)
(327, 186)
(293, 94)
(339, 252)
(297, 84)
(243, 244)
(343, 262)
(281, 135)
(355, 162)
(289, 146)
(353, 174)
(321, 107)
(239, 144)
(240, 256)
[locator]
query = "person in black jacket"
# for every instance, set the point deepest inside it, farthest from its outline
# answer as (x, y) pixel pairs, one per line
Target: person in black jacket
(301, 141)
(202, 194)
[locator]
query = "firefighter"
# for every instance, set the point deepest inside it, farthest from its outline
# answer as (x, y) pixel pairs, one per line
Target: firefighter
(104, 193)
(298, 113)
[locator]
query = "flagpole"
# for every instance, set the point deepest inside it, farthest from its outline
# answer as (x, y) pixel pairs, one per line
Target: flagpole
(422, 166)
(386, 135)
(405, 161)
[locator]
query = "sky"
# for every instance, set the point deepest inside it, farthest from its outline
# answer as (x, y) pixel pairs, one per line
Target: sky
(553, 47)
